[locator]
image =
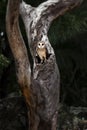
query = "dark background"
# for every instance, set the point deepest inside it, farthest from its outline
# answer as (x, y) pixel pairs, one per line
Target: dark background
(68, 36)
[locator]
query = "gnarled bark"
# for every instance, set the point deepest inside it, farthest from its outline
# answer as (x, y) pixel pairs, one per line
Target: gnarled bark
(41, 90)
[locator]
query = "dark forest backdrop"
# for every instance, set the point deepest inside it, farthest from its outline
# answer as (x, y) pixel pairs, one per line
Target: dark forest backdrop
(68, 35)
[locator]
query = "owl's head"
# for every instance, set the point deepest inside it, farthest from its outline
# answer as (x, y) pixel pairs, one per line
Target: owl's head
(41, 45)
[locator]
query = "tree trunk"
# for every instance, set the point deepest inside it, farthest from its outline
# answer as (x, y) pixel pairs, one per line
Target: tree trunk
(41, 88)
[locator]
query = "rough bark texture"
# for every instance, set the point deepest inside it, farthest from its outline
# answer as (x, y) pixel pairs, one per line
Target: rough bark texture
(41, 90)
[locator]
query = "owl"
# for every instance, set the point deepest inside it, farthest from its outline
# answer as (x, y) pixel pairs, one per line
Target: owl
(41, 51)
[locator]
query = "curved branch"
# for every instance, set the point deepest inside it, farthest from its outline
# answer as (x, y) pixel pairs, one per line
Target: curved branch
(51, 9)
(18, 47)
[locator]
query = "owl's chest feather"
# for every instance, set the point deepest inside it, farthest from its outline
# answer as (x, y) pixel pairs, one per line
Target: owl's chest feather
(41, 52)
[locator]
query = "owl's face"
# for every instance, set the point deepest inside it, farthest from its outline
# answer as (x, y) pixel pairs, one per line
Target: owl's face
(41, 45)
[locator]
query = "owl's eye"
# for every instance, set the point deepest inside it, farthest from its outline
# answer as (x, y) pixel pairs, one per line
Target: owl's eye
(39, 44)
(42, 44)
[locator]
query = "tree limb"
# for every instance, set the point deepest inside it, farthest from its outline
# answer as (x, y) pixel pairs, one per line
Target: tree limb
(49, 10)
(52, 9)
(18, 47)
